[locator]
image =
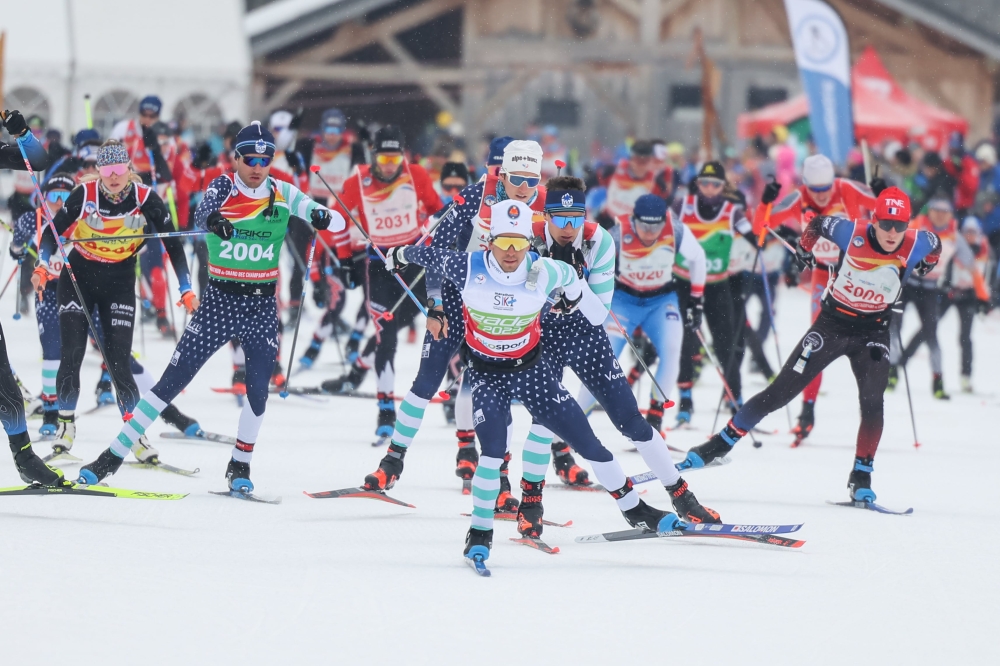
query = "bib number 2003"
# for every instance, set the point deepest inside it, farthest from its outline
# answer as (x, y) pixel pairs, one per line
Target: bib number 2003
(244, 251)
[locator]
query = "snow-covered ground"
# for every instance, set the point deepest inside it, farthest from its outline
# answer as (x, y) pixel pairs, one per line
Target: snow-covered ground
(210, 580)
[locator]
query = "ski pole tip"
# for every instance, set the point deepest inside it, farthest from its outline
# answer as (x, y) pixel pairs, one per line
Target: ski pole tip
(17, 316)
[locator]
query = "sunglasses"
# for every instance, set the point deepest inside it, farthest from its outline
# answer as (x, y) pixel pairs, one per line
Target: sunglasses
(711, 182)
(57, 195)
(388, 160)
(890, 225)
(113, 170)
(332, 130)
(563, 221)
(149, 114)
(256, 161)
(517, 181)
(517, 243)
(451, 188)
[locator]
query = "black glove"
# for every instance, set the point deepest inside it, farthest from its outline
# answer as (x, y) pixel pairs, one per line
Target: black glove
(320, 218)
(564, 306)
(219, 225)
(877, 184)
(203, 156)
(693, 313)
(793, 274)
(983, 307)
(787, 234)
(352, 271)
(804, 258)
(771, 191)
(14, 122)
(569, 255)
(923, 268)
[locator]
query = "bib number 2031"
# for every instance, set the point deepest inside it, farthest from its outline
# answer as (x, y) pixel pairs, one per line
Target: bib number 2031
(244, 251)
(392, 221)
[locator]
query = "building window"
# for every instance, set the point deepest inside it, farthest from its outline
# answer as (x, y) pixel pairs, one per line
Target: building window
(113, 107)
(30, 102)
(198, 117)
(759, 97)
(558, 112)
(685, 101)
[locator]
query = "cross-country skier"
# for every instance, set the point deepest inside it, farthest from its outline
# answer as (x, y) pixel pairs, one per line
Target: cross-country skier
(821, 193)
(878, 257)
(632, 178)
(503, 291)
(141, 143)
(570, 338)
(247, 213)
(968, 290)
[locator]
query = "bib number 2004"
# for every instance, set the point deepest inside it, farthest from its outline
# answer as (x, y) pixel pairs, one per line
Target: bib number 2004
(244, 251)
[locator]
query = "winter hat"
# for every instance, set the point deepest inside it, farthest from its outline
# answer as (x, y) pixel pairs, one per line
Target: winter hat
(940, 201)
(87, 153)
(389, 139)
(642, 148)
(151, 104)
(455, 170)
(254, 140)
(650, 209)
(522, 156)
(987, 153)
(565, 201)
(497, 147)
(112, 153)
(971, 223)
(713, 170)
(279, 120)
(85, 136)
(510, 217)
(893, 204)
(333, 118)
(60, 181)
(817, 172)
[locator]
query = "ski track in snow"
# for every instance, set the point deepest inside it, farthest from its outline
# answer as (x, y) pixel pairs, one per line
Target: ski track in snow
(209, 580)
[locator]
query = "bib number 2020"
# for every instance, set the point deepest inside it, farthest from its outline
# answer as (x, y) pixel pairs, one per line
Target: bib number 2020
(244, 251)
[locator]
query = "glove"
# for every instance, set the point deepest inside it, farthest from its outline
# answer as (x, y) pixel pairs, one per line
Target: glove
(771, 191)
(564, 306)
(203, 157)
(395, 262)
(219, 225)
(803, 258)
(189, 301)
(437, 322)
(320, 218)
(787, 234)
(793, 274)
(983, 307)
(17, 251)
(569, 255)
(14, 123)
(39, 278)
(877, 185)
(923, 268)
(694, 312)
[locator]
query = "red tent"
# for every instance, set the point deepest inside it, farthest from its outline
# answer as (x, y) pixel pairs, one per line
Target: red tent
(882, 110)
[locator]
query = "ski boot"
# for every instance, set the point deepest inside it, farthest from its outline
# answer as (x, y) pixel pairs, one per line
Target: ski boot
(312, 353)
(50, 421)
(893, 378)
(467, 458)
(346, 383)
(163, 324)
(29, 466)
(390, 468)
(860, 480)
(386, 415)
(530, 512)
(238, 477)
(506, 502)
(807, 418)
(566, 468)
(687, 505)
(353, 345)
(65, 434)
(478, 544)
(720, 445)
(654, 416)
(650, 519)
(966, 384)
(937, 387)
(176, 418)
(684, 408)
(103, 389)
(144, 452)
(106, 464)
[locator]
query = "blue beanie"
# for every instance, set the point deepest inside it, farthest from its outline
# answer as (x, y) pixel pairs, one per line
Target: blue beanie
(151, 104)
(333, 118)
(497, 145)
(86, 136)
(254, 140)
(650, 209)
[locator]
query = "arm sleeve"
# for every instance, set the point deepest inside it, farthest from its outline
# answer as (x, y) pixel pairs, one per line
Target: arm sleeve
(926, 248)
(554, 275)
(63, 220)
(694, 256)
(155, 212)
(447, 233)
(425, 189)
(24, 230)
(11, 158)
(215, 195)
(837, 229)
(742, 225)
(602, 273)
(453, 266)
(783, 211)
(302, 206)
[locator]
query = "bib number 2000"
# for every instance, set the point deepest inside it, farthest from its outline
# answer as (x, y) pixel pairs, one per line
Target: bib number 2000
(244, 251)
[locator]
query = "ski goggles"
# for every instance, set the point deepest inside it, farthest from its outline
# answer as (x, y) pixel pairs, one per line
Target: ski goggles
(256, 160)
(563, 221)
(517, 181)
(516, 243)
(332, 129)
(893, 225)
(711, 182)
(383, 159)
(819, 188)
(57, 195)
(452, 188)
(109, 170)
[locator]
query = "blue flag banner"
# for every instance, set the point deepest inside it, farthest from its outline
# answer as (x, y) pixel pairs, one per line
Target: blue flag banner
(823, 58)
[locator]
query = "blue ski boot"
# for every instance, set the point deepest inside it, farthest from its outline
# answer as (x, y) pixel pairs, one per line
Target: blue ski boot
(353, 344)
(478, 544)
(312, 353)
(106, 464)
(178, 419)
(652, 519)
(238, 476)
(386, 415)
(860, 480)
(720, 445)
(50, 420)
(103, 390)
(684, 408)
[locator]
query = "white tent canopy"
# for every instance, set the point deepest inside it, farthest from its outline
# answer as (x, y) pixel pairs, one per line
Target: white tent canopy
(191, 53)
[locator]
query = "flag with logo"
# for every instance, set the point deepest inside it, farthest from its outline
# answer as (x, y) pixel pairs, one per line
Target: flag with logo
(823, 58)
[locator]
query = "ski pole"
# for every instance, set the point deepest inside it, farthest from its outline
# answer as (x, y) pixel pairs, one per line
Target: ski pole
(668, 403)
(298, 317)
(9, 280)
(906, 381)
(126, 415)
(388, 316)
(774, 329)
(167, 234)
(722, 376)
(399, 279)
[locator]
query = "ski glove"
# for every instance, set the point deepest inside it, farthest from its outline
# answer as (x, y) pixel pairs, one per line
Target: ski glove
(804, 258)
(320, 218)
(395, 261)
(923, 268)
(14, 123)
(219, 225)
(695, 310)
(189, 301)
(17, 252)
(564, 306)
(771, 192)
(877, 185)
(569, 255)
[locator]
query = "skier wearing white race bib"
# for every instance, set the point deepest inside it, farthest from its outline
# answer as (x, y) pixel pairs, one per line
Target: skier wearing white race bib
(503, 291)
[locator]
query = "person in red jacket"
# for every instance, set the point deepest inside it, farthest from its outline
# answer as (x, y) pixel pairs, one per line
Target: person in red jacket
(391, 200)
(820, 194)
(963, 167)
